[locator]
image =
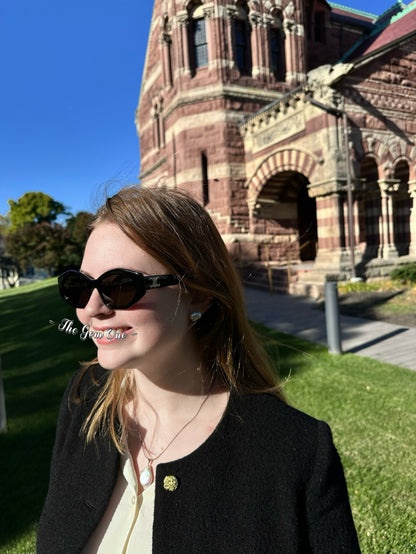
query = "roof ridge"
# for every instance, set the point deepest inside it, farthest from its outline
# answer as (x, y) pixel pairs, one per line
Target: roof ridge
(382, 23)
(353, 10)
(405, 11)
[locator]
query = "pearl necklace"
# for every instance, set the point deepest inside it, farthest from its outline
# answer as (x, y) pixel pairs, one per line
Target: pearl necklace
(146, 475)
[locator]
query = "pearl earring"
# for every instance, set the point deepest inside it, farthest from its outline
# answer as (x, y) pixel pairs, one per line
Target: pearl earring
(195, 316)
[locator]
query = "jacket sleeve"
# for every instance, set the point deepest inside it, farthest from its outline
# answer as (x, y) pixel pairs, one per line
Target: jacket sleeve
(330, 522)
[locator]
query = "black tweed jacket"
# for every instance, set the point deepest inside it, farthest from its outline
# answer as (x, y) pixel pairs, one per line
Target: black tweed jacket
(268, 480)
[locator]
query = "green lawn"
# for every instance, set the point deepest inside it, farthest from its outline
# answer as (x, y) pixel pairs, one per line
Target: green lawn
(370, 406)
(37, 361)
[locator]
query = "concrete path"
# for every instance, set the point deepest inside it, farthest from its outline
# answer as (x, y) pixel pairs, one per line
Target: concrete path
(298, 316)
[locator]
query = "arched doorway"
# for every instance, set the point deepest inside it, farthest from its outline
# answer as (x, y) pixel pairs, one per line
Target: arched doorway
(284, 209)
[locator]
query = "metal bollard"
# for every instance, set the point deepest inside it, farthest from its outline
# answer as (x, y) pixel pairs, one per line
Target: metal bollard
(333, 327)
(3, 421)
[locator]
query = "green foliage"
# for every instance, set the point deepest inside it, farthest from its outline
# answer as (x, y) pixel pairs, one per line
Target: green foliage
(39, 245)
(4, 224)
(49, 245)
(405, 273)
(360, 286)
(78, 229)
(34, 207)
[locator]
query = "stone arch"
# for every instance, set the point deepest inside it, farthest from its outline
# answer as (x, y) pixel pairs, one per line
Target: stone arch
(387, 153)
(189, 4)
(280, 204)
(288, 159)
(371, 147)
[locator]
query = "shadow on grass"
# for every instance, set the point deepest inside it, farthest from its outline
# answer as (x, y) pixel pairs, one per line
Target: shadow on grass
(289, 355)
(367, 304)
(37, 361)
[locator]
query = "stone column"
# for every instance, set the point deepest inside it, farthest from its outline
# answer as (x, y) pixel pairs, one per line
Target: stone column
(183, 20)
(294, 51)
(209, 29)
(231, 14)
(412, 192)
(255, 21)
(387, 247)
(267, 62)
(356, 222)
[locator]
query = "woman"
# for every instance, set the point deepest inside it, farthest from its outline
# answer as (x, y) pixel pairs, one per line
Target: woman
(177, 438)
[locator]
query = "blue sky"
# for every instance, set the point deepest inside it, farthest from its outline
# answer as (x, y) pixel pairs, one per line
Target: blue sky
(71, 74)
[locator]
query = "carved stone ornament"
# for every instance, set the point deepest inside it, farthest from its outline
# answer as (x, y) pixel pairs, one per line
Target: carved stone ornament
(289, 11)
(271, 5)
(255, 19)
(328, 75)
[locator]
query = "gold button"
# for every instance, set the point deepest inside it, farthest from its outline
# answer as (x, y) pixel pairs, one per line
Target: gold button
(170, 483)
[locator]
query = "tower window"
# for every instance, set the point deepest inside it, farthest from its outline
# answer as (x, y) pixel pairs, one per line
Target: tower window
(200, 42)
(242, 46)
(277, 54)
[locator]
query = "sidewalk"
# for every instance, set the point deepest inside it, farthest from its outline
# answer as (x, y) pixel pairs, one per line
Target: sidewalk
(295, 315)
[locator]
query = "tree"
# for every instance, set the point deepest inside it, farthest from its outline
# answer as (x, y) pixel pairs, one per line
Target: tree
(34, 207)
(50, 246)
(78, 228)
(4, 224)
(40, 245)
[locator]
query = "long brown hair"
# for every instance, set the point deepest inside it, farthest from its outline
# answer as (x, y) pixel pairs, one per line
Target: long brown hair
(173, 228)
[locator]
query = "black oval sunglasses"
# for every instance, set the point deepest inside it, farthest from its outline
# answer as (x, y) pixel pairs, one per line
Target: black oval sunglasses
(119, 288)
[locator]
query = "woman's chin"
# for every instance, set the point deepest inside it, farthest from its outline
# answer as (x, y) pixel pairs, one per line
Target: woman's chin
(110, 361)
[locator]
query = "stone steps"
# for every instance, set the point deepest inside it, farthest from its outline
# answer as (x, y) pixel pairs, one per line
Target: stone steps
(280, 279)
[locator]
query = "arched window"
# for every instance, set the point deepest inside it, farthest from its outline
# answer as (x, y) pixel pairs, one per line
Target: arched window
(242, 31)
(277, 48)
(198, 39)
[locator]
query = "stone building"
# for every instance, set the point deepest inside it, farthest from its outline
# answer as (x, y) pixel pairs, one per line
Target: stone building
(293, 122)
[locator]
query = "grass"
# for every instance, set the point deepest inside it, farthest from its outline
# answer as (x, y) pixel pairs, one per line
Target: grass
(370, 406)
(37, 361)
(346, 287)
(399, 297)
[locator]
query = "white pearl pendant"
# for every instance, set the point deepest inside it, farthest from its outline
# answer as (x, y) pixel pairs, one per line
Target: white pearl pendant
(146, 476)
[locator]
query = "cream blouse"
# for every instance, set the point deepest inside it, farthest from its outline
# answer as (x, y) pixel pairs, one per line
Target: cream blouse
(126, 527)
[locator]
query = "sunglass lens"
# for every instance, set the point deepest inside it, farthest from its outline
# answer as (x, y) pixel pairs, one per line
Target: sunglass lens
(75, 288)
(119, 290)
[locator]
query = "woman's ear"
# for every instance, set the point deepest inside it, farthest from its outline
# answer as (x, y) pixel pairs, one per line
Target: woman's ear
(199, 306)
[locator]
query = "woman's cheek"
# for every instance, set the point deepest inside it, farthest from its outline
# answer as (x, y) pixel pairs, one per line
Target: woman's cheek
(81, 316)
